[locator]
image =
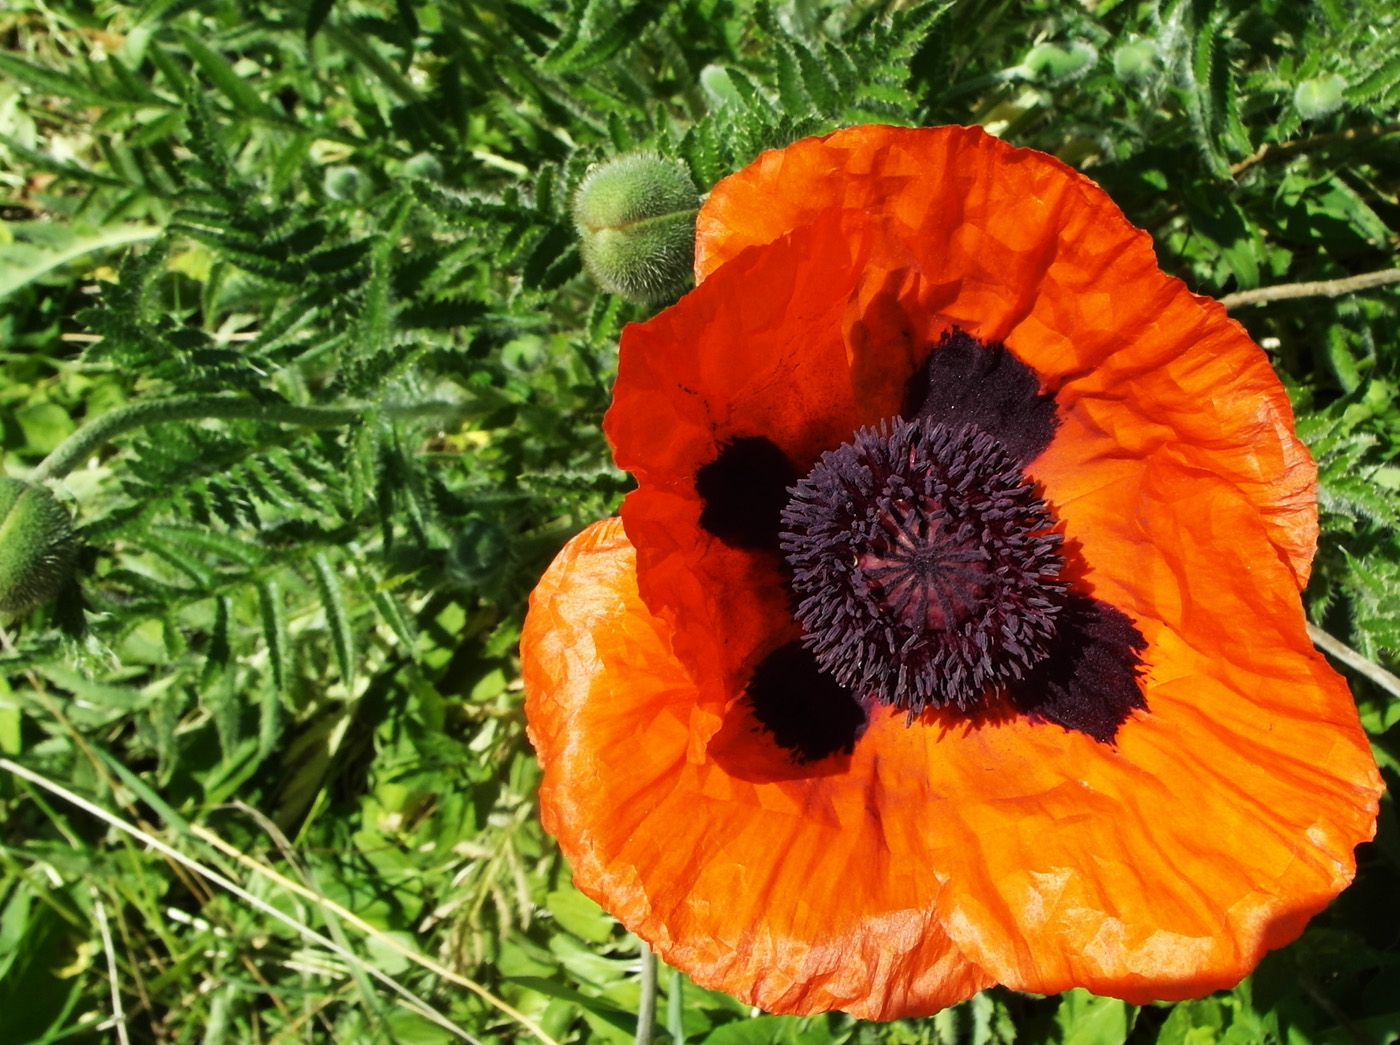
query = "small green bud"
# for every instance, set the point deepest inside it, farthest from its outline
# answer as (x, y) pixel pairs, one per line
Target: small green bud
(1134, 60)
(343, 183)
(1053, 63)
(422, 165)
(635, 216)
(1320, 96)
(36, 545)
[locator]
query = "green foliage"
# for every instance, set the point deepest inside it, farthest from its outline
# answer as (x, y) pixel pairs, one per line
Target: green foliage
(295, 631)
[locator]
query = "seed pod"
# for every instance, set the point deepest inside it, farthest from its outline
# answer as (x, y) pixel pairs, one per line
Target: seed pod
(36, 545)
(1135, 60)
(422, 165)
(635, 216)
(344, 183)
(1057, 64)
(1320, 96)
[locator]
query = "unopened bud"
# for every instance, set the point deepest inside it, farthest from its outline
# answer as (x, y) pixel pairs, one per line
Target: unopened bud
(36, 545)
(1320, 96)
(1134, 60)
(635, 216)
(343, 183)
(423, 165)
(1054, 64)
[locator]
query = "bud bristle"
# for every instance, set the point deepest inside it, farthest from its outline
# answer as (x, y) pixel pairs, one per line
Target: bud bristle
(36, 545)
(635, 216)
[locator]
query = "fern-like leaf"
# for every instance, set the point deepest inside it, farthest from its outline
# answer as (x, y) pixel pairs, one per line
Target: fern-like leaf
(337, 618)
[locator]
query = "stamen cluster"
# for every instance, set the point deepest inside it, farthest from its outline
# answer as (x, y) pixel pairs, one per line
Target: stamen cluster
(926, 568)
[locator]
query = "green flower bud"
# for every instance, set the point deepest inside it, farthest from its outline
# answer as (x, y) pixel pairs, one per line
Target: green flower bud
(1320, 96)
(36, 545)
(635, 216)
(343, 183)
(1053, 63)
(423, 165)
(1134, 60)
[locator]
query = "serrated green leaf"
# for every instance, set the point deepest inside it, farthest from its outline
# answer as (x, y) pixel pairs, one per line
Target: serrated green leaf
(550, 247)
(1199, 73)
(792, 93)
(275, 636)
(220, 652)
(228, 83)
(186, 561)
(819, 85)
(337, 619)
(1377, 82)
(95, 693)
(391, 612)
(1357, 498)
(51, 81)
(543, 191)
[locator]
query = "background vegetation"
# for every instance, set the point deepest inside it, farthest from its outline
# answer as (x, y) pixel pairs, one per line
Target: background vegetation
(321, 248)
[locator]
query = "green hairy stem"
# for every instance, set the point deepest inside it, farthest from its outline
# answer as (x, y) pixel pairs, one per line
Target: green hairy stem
(85, 441)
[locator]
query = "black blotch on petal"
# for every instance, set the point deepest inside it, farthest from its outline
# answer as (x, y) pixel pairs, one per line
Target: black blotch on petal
(806, 710)
(744, 490)
(1089, 682)
(964, 381)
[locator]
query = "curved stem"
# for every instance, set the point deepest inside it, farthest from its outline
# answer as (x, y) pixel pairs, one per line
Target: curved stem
(1284, 150)
(1348, 656)
(86, 440)
(1327, 288)
(646, 1006)
(675, 1003)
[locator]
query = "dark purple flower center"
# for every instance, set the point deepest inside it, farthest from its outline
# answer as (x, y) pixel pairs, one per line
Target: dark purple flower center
(926, 571)
(926, 568)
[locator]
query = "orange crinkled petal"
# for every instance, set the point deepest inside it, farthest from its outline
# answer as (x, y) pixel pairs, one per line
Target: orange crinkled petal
(1165, 865)
(761, 354)
(1013, 245)
(785, 896)
(944, 857)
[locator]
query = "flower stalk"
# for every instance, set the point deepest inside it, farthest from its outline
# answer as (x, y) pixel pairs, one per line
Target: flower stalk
(1326, 288)
(86, 440)
(1334, 647)
(646, 1005)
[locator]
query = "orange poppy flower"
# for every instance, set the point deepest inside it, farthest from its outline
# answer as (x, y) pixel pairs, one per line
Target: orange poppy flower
(952, 635)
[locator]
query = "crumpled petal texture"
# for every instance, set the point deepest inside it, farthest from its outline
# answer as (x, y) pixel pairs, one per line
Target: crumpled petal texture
(943, 856)
(730, 881)
(1015, 246)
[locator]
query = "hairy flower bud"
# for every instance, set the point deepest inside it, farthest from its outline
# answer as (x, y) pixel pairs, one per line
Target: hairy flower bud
(422, 165)
(1134, 60)
(635, 216)
(36, 545)
(1320, 96)
(343, 183)
(1057, 64)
